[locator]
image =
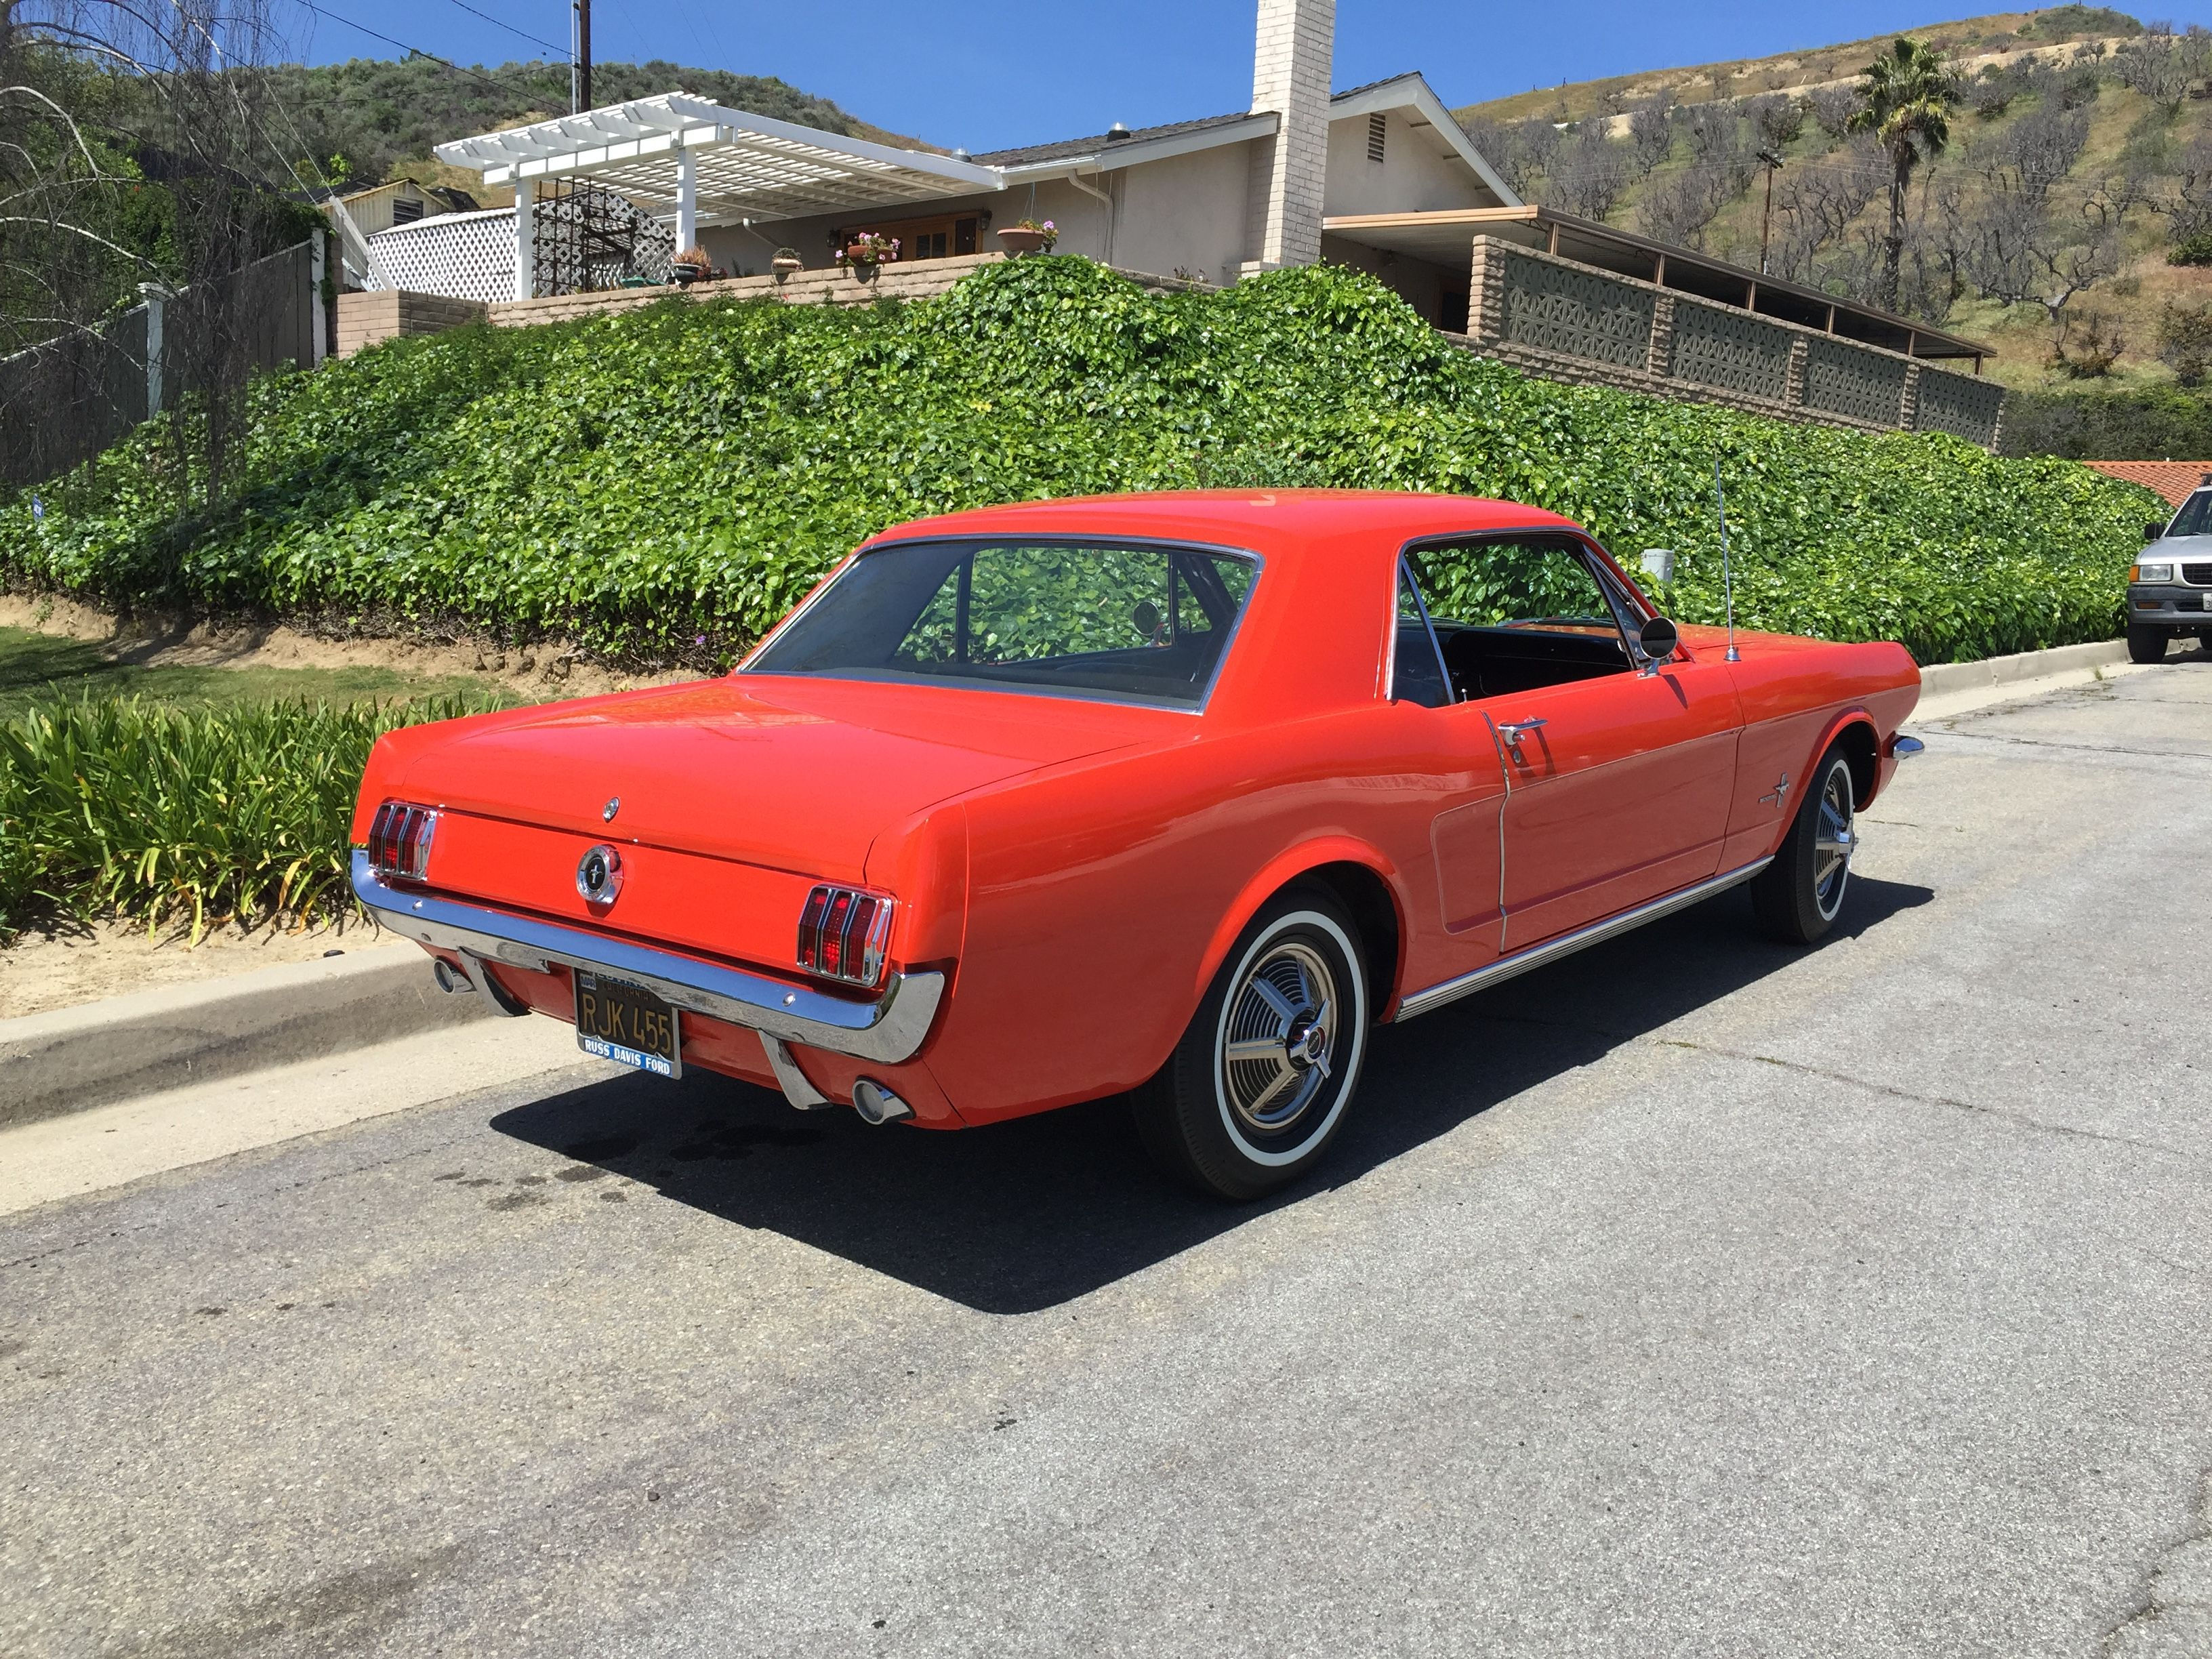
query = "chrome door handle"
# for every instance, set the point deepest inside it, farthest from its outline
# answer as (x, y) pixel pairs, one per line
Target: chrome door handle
(1511, 732)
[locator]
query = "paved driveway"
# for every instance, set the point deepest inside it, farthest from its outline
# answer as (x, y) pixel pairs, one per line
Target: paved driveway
(1696, 1296)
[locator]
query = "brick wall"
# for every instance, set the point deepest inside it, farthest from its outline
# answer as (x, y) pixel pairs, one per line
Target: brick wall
(365, 318)
(1293, 56)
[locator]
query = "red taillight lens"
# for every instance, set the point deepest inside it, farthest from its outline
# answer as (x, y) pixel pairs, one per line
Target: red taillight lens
(399, 840)
(843, 932)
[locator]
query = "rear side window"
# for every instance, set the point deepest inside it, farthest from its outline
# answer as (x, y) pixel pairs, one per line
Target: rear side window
(1139, 623)
(1419, 675)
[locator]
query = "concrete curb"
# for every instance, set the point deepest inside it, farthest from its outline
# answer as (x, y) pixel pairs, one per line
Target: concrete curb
(1946, 677)
(125, 1046)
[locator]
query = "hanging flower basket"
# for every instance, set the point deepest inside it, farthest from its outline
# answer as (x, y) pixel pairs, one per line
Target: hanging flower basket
(787, 261)
(865, 251)
(1028, 237)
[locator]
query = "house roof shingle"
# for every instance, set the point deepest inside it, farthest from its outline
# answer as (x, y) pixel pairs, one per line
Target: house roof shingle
(1026, 154)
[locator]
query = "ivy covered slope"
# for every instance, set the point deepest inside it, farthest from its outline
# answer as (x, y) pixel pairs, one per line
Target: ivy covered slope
(659, 485)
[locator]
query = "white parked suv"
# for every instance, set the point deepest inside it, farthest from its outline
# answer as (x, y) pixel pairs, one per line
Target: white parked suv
(2170, 587)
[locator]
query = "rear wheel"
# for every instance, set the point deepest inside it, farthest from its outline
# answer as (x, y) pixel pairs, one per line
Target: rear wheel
(2146, 644)
(1799, 896)
(1257, 1088)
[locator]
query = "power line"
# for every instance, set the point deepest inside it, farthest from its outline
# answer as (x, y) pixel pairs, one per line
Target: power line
(510, 29)
(476, 74)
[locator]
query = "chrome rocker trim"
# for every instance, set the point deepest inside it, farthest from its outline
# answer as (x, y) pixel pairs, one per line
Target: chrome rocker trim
(1506, 967)
(887, 1030)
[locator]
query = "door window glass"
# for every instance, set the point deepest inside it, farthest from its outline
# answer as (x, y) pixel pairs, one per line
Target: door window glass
(1518, 612)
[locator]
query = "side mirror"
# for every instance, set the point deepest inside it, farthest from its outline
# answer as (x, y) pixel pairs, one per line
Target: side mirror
(2153, 531)
(1656, 640)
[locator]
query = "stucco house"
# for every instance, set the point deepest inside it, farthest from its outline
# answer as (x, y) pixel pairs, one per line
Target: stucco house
(1213, 198)
(1380, 177)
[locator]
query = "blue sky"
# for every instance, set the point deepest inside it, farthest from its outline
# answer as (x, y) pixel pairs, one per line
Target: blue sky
(987, 73)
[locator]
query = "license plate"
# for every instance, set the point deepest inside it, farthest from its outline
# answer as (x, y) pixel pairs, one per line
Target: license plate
(628, 1024)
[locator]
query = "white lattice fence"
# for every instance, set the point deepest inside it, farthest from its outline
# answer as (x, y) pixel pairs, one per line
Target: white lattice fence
(465, 256)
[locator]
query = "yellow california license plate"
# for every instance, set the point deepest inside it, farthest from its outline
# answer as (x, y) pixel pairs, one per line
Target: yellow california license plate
(628, 1024)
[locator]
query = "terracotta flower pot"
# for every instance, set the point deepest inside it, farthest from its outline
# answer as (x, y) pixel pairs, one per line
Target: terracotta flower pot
(1016, 240)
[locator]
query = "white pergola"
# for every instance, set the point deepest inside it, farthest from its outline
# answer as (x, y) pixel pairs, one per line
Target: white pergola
(681, 157)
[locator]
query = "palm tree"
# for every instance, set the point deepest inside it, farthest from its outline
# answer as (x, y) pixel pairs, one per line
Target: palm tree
(1905, 101)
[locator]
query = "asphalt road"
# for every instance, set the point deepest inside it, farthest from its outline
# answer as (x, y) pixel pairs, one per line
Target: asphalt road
(1697, 1297)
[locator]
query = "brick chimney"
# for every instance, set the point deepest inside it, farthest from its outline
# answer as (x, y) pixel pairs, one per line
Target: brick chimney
(1290, 63)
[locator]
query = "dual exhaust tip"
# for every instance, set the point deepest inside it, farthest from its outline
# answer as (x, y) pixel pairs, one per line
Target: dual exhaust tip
(870, 1099)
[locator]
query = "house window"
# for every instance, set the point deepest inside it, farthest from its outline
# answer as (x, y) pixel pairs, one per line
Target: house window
(1375, 125)
(930, 239)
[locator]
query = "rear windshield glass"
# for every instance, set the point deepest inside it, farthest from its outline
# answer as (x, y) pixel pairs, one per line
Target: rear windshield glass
(2195, 518)
(1144, 624)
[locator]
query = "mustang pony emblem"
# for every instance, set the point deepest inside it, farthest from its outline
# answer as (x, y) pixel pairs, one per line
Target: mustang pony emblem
(599, 875)
(1776, 795)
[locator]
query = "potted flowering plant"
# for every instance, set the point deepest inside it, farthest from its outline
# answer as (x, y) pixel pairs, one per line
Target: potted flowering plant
(691, 266)
(786, 261)
(1028, 236)
(867, 249)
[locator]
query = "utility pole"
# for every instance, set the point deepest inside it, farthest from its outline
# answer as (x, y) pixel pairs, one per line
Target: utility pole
(1772, 160)
(580, 77)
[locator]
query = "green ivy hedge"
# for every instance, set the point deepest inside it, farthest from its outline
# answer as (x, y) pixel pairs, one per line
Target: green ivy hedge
(661, 484)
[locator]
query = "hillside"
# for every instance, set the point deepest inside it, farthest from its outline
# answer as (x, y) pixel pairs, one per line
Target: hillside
(659, 485)
(2080, 159)
(380, 118)
(1999, 34)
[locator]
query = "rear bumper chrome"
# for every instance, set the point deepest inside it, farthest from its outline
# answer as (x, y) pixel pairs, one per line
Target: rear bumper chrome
(887, 1030)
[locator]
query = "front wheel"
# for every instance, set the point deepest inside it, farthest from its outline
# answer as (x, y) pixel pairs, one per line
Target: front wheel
(1257, 1087)
(2146, 644)
(1799, 894)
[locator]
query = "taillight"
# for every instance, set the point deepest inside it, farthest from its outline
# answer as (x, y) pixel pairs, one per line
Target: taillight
(399, 840)
(842, 934)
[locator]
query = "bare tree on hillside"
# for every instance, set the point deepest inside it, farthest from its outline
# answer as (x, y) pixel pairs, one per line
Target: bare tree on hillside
(2027, 158)
(1522, 151)
(1588, 174)
(1831, 108)
(1677, 207)
(1650, 134)
(1816, 202)
(2162, 65)
(2029, 252)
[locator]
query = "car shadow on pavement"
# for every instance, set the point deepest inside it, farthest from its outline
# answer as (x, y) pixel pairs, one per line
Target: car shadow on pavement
(1026, 1215)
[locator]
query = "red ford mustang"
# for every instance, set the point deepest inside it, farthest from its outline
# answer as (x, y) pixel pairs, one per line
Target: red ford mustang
(1175, 795)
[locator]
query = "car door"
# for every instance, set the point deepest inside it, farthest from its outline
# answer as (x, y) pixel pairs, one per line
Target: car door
(1619, 773)
(1461, 754)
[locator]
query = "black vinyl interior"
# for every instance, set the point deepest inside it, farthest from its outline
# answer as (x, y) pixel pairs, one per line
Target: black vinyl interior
(1497, 662)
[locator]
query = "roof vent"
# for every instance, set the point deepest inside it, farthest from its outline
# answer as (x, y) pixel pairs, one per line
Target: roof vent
(960, 154)
(1116, 133)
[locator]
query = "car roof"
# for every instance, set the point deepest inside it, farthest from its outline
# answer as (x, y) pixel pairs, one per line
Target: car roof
(1264, 521)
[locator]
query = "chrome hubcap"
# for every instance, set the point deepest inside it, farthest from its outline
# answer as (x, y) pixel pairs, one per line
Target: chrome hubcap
(1834, 840)
(1280, 1037)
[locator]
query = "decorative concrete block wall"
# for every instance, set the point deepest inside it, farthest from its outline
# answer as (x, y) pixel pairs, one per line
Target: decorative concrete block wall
(1572, 322)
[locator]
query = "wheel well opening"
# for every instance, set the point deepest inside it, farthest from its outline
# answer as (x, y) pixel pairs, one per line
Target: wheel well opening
(1856, 741)
(1366, 897)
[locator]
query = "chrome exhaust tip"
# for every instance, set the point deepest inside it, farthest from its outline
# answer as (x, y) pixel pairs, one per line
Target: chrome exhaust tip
(877, 1104)
(451, 981)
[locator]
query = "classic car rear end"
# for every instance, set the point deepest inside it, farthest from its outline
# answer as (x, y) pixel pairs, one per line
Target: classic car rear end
(1176, 796)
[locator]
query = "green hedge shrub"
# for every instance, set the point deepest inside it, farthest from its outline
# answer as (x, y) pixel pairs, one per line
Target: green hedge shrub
(116, 806)
(2145, 423)
(661, 484)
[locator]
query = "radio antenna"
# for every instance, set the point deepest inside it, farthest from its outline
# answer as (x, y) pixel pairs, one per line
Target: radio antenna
(1728, 582)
